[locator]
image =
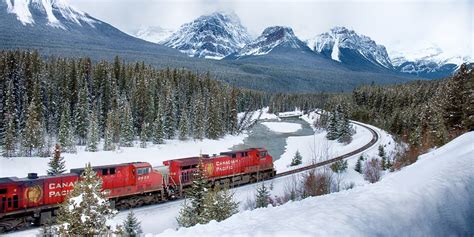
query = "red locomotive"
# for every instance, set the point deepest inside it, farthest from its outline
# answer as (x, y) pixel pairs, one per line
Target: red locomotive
(34, 200)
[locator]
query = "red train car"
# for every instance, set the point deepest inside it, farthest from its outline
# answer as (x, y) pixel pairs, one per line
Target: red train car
(236, 167)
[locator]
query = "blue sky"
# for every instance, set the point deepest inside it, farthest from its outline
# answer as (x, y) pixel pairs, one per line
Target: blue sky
(403, 25)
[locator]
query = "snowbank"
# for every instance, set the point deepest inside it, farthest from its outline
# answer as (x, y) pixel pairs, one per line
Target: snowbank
(282, 127)
(432, 197)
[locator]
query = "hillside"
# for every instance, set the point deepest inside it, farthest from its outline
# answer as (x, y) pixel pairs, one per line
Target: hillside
(429, 198)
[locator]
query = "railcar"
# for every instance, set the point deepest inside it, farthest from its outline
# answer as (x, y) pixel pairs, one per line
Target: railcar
(34, 200)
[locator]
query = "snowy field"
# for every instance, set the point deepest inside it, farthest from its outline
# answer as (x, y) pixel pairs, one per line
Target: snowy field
(282, 127)
(158, 218)
(432, 197)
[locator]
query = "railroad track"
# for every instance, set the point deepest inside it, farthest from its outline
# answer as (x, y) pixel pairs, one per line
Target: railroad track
(375, 138)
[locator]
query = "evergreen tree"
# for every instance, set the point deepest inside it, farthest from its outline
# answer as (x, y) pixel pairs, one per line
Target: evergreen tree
(131, 225)
(158, 130)
(219, 204)
(57, 165)
(9, 142)
(93, 133)
(332, 132)
(109, 132)
(183, 125)
(199, 119)
(358, 166)
(143, 136)
(127, 133)
(263, 196)
(383, 157)
(193, 212)
(86, 209)
(297, 159)
(81, 115)
(33, 138)
(339, 166)
(65, 133)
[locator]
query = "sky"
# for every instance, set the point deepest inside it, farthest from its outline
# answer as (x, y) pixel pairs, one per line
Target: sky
(406, 26)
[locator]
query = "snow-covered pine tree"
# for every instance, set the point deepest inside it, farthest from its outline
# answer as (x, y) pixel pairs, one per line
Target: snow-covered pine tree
(383, 157)
(56, 164)
(65, 134)
(233, 111)
(86, 210)
(297, 159)
(131, 226)
(127, 133)
(143, 135)
(219, 204)
(93, 133)
(339, 166)
(9, 142)
(199, 118)
(158, 129)
(81, 114)
(109, 144)
(169, 114)
(192, 211)
(263, 196)
(332, 132)
(183, 125)
(33, 137)
(358, 166)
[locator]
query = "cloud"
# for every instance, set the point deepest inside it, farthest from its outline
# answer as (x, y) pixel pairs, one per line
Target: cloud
(402, 24)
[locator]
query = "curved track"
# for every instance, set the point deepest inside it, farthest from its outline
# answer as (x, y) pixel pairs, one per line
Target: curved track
(375, 138)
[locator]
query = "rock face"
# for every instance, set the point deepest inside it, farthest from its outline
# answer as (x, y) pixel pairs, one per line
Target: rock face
(154, 34)
(271, 38)
(211, 36)
(355, 50)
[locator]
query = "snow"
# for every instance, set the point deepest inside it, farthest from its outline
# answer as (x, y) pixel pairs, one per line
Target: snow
(21, 9)
(432, 197)
(335, 51)
(158, 218)
(282, 127)
(154, 34)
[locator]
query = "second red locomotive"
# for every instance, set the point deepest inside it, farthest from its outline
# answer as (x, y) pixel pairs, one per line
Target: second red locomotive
(35, 199)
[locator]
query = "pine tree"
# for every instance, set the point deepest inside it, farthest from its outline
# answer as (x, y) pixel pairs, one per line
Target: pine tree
(131, 225)
(332, 132)
(183, 125)
(9, 142)
(358, 166)
(143, 135)
(219, 204)
(109, 144)
(158, 130)
(81, 115)
(93, 133)
(33, 138)
(263, 196)
(65, 133)
(86, 209)
(127, 133)
(297, 159)
(339, 166)
(383, 157)
(192, 212)
(198, 119)
(57, 165)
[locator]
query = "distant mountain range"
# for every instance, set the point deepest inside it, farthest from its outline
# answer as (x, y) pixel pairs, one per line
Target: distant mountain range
(275, 61)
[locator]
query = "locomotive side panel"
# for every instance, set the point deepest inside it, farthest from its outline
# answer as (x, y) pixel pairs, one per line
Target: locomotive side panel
(56, 188)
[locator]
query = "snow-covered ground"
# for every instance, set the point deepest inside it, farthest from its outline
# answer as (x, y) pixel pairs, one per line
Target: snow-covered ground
(155, 219)
(283, 127)
(432, 197)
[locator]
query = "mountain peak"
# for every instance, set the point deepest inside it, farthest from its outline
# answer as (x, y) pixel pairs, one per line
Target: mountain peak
(210, 36)
(345, 45)
(271, 38)
(57, 13)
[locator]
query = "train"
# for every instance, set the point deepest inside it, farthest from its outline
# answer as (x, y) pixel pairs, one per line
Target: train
(34, 200)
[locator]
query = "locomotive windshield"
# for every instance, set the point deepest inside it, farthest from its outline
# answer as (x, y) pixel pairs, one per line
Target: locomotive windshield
(263, 153)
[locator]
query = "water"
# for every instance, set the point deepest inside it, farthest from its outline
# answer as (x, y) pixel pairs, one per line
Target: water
(260, 136)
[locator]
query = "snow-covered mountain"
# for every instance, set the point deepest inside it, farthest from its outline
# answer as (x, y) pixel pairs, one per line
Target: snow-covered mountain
(350, 48)
(155, 34)
(271, 38)
(211, 36)
(56, 13)
(430, 62)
